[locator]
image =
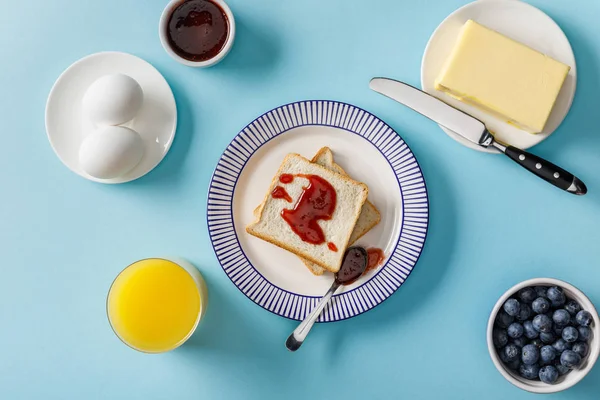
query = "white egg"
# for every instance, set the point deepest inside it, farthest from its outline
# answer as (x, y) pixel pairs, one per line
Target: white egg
(111, 152)
(112, 100)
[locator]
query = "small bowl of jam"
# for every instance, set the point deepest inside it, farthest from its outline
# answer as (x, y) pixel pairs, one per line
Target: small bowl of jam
(197, 33)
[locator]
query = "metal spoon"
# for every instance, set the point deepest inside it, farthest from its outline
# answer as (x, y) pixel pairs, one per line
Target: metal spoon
(354, 264)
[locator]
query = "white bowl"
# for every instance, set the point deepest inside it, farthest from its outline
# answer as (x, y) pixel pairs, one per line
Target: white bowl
(567, 380)
(162, 32)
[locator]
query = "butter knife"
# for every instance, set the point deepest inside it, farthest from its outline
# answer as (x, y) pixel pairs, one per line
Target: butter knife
(475, 131)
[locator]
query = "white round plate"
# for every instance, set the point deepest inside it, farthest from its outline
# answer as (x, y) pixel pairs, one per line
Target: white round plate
(519, 21)
(156, 121)
(371, 152)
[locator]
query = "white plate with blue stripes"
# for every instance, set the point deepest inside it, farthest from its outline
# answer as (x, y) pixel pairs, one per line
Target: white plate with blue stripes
(371, 152)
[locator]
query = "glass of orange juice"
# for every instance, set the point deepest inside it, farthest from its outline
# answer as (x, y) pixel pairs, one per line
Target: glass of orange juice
(154, 305)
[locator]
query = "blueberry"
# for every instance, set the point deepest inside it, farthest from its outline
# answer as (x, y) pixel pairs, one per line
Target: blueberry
(585, 333)
(570, 334)
(581, 348)
(502, 356)
(572, 307)
(512, 307)
(556, 296)
(560, 345)
(529, 371)
(583, 318)
(537, 343)
(541, 291)
(540, 305)
(514, 364)
(561, 368)
(558, 330)
(527, 295)
(499, 337)
(547, 337)
(529, 330)
(570, 359)
(530, 354)
(503, 320)
(547, 354)
(520, 341)
(548, 374)
(525, 313)
(509, 353)
(542, 323)
(515, 330)
(561, 317)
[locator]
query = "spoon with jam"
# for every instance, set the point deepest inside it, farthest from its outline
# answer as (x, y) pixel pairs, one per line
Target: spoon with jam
(355, 262)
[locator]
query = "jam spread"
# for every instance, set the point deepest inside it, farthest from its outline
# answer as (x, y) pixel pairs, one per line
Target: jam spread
(376, 258)
(280, 193)
(317, 202)
(286, 178)
(197, 30)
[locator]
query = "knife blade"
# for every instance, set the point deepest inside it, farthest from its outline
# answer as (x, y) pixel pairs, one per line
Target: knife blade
(436, 110)
(475, 131)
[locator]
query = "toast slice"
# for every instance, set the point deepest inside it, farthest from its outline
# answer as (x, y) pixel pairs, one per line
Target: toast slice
(270, 226)
(369, 214)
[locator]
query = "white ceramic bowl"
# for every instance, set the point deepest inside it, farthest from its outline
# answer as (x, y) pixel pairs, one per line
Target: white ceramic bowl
(567, 380)
(162, 32)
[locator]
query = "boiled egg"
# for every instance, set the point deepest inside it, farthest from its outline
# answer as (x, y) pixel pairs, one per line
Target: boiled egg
(111, 152)
(112, 100)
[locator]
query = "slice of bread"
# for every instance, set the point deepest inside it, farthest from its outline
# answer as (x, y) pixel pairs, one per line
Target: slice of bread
(369, 215)
(270, 226)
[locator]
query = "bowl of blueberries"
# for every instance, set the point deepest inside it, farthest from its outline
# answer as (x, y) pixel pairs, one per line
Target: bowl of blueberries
(544, 335)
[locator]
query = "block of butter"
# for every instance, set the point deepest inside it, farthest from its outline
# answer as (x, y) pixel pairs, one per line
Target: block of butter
(502, 77)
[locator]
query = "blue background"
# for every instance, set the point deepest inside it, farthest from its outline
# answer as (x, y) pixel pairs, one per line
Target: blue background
(64, 239)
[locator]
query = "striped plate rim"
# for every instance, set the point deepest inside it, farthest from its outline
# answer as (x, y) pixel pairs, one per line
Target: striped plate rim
(412, 188)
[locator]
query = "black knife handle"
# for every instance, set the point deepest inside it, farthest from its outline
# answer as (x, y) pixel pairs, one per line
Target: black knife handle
(546, 170)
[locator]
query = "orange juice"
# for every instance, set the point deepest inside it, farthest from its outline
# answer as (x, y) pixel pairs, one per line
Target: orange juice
(154, 305)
